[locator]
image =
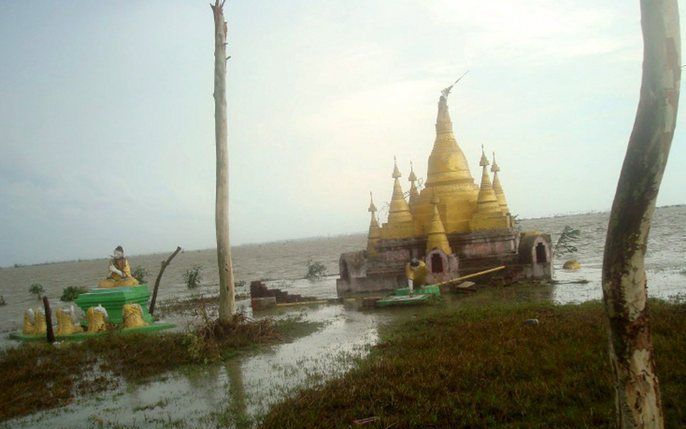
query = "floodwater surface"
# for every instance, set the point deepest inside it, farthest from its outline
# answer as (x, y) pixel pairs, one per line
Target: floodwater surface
(237, 392)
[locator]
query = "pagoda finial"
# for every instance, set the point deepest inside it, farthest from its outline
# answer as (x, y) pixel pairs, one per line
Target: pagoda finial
(498, 188)
(484, 161)
(372, 207)
(396, 172)
(494, 167)
(412, 177)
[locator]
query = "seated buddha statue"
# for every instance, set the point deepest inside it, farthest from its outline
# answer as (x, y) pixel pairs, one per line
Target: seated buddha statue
(120, 271)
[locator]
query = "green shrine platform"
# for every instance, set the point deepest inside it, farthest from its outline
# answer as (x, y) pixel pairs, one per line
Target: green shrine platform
(113, 299)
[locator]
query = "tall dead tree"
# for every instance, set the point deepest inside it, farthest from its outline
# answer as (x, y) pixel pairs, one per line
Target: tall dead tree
(227, 302)
(624, 279)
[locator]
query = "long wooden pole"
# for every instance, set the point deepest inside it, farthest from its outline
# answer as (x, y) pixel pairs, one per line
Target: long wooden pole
(50, 333)
(227, 302)
(471, 276)
(159, 277)
(625, 296)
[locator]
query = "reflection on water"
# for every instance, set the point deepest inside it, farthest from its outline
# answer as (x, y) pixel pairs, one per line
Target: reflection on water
(235, 393)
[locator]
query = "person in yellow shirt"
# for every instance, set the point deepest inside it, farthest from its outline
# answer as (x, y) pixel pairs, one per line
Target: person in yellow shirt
(120, 271)
(416, 273)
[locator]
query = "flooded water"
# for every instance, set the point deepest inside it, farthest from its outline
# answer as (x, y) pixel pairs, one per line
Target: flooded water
(237, 392)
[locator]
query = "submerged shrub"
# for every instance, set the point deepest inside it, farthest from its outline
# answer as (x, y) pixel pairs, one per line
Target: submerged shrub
(315, 270)
(140, 273)
(72, 292)
(37, 289)
(193, 276)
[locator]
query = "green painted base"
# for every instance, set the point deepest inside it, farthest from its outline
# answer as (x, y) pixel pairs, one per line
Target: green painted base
(85, 335)
(402, 300)
(424, 290)
(113, 299)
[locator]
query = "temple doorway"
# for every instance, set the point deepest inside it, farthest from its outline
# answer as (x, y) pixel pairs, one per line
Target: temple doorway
(541, 254)
(436, 263)
(344, 271)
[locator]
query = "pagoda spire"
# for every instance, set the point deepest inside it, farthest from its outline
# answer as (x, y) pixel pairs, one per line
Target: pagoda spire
(374, 234)
(414, 193)
(400, 222)
(436, 237)
(488, 213)
(497, 187)
(447, 163)
(448, 176)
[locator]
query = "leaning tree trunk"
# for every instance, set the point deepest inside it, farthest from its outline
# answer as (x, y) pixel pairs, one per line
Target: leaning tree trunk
(624, 279)
(227, 301)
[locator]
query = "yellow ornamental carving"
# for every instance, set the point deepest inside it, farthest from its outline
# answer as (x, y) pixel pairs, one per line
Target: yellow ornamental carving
(96, 317)
(66, 322)
(133, 316)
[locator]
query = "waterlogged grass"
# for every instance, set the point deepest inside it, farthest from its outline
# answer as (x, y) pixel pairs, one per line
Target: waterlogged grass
(484, 367)
(41, 376)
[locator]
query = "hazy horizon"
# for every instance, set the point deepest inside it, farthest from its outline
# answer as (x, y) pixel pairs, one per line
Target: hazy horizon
(108, 128)
(285, 240)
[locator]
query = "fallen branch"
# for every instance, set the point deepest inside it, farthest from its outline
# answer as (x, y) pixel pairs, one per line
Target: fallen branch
(48, 320)
(159, 277)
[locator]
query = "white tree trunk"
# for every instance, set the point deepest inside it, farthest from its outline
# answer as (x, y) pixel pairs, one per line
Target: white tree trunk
(624, 280)
(227, 303)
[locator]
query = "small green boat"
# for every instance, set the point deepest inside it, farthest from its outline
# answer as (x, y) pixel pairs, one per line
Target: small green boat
(402, 297)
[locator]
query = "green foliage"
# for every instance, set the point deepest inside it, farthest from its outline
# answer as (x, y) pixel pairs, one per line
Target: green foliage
(37, 289)
(315, 270)
(193, 276)
(483, 367)
(140, 273)
(72, 292)
(565, 243)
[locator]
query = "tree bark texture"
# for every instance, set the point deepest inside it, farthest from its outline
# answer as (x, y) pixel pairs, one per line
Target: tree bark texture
(624, 279)
(226, 285)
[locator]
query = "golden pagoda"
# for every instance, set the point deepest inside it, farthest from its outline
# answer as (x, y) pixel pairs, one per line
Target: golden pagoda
(455, 226)
(374, 229)
(497, 187)
(488, 213)
(448, 178)
(400, 221)
(436, 237)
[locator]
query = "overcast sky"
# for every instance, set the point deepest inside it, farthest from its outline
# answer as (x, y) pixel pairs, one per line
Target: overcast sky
(107, 132)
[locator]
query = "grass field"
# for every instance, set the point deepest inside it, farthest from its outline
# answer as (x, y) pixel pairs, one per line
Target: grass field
(483, 367)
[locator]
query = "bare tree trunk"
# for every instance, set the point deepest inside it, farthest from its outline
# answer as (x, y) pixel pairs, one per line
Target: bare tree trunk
(624, 280)
(227, 301)
(164, 266)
